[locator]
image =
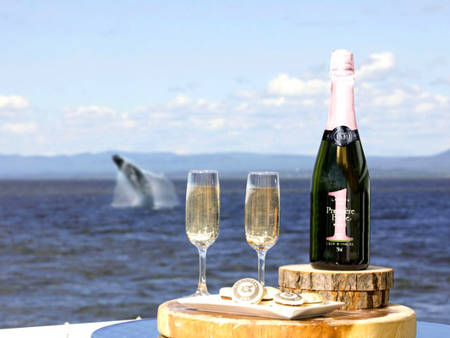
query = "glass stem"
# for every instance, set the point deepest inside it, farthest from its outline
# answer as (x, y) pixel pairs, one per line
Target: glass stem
(261, 265)
(202, 270)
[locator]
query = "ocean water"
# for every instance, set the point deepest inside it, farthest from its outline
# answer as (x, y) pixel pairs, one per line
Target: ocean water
(67, 255)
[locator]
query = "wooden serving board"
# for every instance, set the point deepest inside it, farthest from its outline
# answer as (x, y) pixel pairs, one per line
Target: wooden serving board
(360, 289)
(178, 321)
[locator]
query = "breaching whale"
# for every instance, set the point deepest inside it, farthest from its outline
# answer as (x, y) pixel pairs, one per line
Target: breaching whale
(136, 187)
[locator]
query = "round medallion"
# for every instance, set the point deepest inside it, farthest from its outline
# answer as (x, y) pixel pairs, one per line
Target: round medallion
(248, 290)
(288, 298)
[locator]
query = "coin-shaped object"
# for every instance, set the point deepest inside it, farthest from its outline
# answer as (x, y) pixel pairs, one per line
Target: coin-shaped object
(248, 290)
(311, 297)
(270, 292)
(288, 298)
(226, 293)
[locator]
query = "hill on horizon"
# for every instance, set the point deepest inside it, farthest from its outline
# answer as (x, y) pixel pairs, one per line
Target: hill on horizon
(100, 165)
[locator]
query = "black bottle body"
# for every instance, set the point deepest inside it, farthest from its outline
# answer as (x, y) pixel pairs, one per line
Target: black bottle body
(340, 190)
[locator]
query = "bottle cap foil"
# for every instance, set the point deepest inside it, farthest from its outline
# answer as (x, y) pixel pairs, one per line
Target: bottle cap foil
(341, 62)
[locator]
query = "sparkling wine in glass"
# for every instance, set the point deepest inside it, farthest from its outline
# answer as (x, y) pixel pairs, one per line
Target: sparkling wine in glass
(202, 217)
(262, 214)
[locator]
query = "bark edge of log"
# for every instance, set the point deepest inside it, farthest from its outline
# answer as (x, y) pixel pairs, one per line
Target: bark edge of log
(359, 289)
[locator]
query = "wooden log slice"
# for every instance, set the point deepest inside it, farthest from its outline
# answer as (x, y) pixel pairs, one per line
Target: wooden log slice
(354, 300)
(305, 277)
(177, 321)
(360, 289)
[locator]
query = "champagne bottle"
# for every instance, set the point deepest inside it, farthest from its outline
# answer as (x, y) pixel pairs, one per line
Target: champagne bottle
(340, 189)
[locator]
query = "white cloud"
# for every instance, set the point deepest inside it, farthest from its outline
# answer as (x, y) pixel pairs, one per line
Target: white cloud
(191, 105)
(215, 124)
(160, 116)
(285, 114)
(284, 85)
(396, 98)
(179, 101)
(128, 124)
(406, 99)
(425, 107)
(378, 64)
(197, 123)
(441, 99)
(95, 117)
(308, 102)
(276, 102)
(202, 104)
(244, 106)
(13, 102)
(91, 111)
(247, 94)
(19, 128)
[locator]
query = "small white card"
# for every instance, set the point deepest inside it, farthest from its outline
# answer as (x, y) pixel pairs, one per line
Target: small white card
(267, 309)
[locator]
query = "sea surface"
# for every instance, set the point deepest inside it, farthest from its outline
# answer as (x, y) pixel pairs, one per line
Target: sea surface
(67, 255)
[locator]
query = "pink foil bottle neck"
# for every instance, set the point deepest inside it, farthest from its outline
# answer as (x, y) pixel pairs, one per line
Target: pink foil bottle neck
(341, 63)
(342, 74)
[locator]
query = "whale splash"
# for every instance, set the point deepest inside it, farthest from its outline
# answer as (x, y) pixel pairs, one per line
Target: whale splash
(141, 188)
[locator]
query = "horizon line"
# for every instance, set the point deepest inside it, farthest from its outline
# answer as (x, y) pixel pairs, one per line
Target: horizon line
(200, 154)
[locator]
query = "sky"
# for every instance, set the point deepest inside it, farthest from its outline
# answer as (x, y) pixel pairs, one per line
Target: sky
(219, 76)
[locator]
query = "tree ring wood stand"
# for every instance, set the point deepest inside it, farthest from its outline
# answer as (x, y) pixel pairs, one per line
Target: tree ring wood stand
(360, 289)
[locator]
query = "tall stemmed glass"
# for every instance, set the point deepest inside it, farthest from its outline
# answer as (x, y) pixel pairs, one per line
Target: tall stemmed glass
(262, 214)
(202, 217)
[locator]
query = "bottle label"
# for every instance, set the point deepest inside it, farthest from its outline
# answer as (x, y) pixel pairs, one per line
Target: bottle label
(341, 136)
(339, 216)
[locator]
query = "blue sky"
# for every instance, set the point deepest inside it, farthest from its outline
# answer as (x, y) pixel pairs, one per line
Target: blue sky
(206, 76)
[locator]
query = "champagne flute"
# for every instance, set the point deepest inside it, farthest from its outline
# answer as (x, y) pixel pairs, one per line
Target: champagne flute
(262, 214)
(202, 217)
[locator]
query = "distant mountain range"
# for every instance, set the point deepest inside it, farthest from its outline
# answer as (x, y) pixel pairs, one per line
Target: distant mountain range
(100, 165)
